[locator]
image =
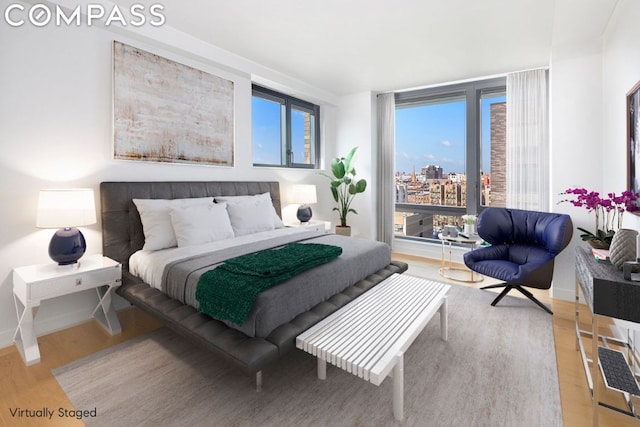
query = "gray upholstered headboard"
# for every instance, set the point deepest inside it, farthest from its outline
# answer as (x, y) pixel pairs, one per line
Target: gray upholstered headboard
(121, 227)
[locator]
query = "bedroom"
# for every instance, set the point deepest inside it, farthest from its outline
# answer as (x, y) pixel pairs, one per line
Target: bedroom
(57, 120)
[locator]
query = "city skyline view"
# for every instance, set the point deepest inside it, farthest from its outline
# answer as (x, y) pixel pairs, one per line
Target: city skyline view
(434, 134)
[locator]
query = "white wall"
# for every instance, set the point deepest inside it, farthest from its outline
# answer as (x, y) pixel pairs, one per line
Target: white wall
(589, 86)
(355, 121)
(620, 72)
(576, 145)
(56, 132)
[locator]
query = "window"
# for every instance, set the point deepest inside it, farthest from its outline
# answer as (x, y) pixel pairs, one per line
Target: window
(450, 155)
(285, 130)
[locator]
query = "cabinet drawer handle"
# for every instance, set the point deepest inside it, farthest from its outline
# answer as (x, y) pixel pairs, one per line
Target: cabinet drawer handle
(79, 281)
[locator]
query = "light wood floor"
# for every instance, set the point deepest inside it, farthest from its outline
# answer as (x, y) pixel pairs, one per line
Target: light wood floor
(34, 387)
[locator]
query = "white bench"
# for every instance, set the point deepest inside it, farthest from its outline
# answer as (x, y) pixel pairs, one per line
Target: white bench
(368, 337)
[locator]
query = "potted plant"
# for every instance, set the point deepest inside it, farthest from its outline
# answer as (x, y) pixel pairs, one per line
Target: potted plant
(469, 224)
(608, 213)
(344, 188)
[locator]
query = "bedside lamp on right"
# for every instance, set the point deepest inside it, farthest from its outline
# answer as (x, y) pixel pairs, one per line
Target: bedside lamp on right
(304, 195)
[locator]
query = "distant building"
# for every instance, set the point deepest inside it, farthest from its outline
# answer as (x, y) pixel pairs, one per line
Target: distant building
(436, 193)
(401, 193)
(413, 224)
(452, 194)
(496, 193)
(432, 172)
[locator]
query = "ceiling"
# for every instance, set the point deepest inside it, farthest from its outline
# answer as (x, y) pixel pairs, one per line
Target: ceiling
(352, 46)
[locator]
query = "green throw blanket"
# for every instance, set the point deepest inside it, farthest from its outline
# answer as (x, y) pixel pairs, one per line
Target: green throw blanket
(229, 291)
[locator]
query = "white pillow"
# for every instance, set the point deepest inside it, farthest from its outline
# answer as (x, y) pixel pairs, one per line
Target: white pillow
(156, 222)
(250, 216)
(262, 200)
(195, 225)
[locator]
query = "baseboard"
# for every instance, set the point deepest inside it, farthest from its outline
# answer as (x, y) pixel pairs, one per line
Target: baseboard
(428, 250)
(563, 294)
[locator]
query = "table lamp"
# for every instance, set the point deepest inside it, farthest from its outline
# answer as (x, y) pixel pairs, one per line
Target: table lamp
(304, 195)
(66, 209)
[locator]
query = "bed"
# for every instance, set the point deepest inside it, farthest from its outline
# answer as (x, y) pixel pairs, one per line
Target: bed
(279, 314)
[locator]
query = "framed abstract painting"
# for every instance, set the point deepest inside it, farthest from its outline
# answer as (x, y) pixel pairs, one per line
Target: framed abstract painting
(169, 112)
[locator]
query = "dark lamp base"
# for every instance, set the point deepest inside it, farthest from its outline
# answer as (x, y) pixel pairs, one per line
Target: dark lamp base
(304, 213)
(67, 246)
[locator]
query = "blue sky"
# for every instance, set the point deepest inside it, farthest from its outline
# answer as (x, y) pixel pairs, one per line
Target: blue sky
(266, 135)
(425, 135)
(265, 116)
(434, 134)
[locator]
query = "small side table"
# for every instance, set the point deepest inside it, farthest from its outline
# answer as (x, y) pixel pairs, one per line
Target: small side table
(36, 283)
(447, 266)
(312, 224)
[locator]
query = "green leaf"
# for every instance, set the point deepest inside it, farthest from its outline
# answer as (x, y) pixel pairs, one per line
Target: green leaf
(361, 186)
(338, 168)
(352, 189)
(325, 175)
(348, 159)
(334, 191)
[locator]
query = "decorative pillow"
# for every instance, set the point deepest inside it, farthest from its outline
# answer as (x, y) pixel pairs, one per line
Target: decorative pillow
(250, 216)
(260, 199)
(195, 225)
(156, 222)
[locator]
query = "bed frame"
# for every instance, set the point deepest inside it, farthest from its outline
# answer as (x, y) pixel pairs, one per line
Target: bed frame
(122, 235)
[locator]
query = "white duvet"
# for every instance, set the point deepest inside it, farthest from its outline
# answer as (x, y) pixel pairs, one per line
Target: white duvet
(149, 265)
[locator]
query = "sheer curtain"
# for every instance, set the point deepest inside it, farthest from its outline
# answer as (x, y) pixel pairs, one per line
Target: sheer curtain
(386, 166)
(527, 140)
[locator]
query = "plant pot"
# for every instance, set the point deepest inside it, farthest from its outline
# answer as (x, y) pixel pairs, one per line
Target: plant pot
(469, 229)
(343, 231)
(598, 244)
(623, 247)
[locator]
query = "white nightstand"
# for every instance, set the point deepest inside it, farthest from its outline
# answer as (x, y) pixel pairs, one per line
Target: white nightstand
(35, 283)
(313, 224)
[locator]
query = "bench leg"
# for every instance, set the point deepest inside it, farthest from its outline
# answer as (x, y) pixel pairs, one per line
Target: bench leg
(398, 387)
(322, 369)
(444, 319)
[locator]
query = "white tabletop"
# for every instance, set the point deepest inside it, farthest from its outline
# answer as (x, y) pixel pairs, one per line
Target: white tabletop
(472, 239)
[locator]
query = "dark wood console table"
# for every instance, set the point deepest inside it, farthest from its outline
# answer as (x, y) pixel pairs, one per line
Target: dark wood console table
(607, 294)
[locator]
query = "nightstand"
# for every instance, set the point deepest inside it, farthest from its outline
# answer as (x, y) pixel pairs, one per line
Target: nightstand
(36, 283)
(313, 224)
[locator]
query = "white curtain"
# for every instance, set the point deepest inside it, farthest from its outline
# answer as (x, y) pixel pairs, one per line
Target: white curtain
(386, 166)
(527, 141)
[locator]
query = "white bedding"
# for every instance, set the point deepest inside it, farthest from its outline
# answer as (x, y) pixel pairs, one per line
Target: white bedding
(149, 265)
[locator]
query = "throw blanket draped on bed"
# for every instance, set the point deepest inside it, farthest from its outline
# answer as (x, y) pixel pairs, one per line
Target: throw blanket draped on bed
(229, 291)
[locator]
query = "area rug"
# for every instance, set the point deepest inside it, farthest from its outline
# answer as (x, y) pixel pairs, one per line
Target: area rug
(498, 368)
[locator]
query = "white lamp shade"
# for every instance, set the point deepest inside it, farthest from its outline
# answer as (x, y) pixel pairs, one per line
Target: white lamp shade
(68, 207)
(304, 194)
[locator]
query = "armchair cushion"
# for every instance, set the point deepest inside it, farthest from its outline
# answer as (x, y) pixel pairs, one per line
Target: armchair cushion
(513, 226)
(523, 245)
(513, 264)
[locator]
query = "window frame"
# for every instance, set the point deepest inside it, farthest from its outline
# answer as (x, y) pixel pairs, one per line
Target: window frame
(288, 103)
(472, 92)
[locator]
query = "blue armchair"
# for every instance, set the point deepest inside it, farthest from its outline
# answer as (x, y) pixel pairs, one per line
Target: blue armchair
(523, 247)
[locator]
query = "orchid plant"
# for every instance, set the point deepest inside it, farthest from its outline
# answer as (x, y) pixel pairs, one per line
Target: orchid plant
(608, 212)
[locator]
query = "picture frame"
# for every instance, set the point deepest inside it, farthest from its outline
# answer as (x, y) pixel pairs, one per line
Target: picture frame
(633, 138)
(168, 112)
